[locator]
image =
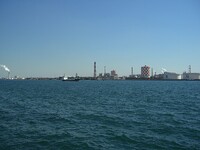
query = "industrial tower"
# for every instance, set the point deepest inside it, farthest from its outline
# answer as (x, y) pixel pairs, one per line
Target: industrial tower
(95, 71)
(104, 70)
(189, 69)
(131, 71)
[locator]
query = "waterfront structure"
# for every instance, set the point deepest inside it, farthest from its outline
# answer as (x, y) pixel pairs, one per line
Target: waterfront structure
(107, 75)
(158, 76)
(100, 75)
(171, 76)
(191, 76)
(114, 75)
(145, 72)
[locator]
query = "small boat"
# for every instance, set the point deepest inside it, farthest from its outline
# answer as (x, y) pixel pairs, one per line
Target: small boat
(70, 79)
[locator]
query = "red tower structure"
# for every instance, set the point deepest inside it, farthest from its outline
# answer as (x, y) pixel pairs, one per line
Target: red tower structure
(145, 72)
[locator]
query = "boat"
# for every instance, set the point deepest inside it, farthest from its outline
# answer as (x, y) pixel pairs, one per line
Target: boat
(70, 79)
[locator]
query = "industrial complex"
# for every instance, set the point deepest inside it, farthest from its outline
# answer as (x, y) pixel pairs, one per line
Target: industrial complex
(146, 74)
(185, 76)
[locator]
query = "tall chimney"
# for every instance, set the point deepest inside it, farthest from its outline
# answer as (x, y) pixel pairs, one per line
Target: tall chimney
(95, 71)
(8, 75)
(131, 71)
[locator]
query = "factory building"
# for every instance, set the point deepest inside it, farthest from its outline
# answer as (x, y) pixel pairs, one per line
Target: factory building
(171, 76)
(114, 75)
(191, 76)
(145, 72)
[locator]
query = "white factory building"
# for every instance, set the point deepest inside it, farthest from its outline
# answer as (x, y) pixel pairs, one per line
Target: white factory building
(184, 76)
(171, 76)
(191, 76)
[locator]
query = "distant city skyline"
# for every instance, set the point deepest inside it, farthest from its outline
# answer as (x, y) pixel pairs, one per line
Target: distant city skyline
(50, 38)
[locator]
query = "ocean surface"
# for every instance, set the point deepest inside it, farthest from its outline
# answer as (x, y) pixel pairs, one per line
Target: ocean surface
(99, 115)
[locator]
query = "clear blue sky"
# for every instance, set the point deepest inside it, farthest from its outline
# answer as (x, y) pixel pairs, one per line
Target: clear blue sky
(53, 37)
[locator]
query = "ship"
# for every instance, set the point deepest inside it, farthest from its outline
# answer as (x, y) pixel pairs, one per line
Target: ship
(70, 79)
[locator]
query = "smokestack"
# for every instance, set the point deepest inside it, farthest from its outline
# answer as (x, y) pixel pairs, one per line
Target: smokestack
(8, 75)
(189, 69)
(152, 72)
(132, 71)
(95, 71)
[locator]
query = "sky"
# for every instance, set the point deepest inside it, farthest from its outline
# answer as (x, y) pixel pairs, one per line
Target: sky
(49, 38)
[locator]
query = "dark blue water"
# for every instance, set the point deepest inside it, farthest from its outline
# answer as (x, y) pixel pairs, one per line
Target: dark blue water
(99, 115)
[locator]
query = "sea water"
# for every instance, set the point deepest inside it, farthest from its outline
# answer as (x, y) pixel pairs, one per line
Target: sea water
(99, 115)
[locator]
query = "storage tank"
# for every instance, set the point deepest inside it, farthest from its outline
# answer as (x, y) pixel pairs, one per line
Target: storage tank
(171, 76)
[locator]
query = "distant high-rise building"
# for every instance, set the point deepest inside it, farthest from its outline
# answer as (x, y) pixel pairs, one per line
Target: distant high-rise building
(145, 72)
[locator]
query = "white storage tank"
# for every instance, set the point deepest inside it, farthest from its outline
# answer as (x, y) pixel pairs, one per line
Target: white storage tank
(171, 76)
